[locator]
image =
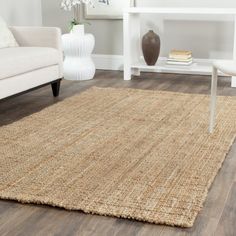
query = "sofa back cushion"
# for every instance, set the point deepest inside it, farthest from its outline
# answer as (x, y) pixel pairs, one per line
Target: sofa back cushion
(6, 37)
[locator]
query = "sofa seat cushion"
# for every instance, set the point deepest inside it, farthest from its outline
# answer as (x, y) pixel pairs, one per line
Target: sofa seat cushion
(20, 60)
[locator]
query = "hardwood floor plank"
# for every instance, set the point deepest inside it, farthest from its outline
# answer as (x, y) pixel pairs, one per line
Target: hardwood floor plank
(128, 227)
(221, 187)
(226, 226)
(14, 217)
(5, 206)
(204, 226)
(54, 222)
(151, 230)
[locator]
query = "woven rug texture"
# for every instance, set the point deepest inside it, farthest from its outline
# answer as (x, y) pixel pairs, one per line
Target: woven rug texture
(137, 154)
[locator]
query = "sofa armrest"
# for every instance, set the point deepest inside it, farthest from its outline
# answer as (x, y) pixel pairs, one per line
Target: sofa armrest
(38, 37)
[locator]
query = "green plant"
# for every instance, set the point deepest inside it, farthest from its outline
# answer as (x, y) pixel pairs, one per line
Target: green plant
(76, 22)
(73, 23)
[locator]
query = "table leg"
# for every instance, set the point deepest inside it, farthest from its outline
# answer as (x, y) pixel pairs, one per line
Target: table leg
(127, 47)
(132, 44)
(213, 99)
(233, 82)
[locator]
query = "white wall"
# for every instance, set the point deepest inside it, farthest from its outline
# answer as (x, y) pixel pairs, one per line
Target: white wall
(207, 39)
(21, 12)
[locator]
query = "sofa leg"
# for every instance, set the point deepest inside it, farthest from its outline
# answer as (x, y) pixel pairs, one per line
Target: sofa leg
(56, 88)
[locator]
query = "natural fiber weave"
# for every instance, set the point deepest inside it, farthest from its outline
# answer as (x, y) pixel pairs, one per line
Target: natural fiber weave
(137, 154)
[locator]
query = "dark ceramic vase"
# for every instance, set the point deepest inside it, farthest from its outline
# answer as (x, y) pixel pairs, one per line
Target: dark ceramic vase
(151, 45)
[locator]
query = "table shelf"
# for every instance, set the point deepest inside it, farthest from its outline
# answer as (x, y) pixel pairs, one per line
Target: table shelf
(200, 67)
(132, 40)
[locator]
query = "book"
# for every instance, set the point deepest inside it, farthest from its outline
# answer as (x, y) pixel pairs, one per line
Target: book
(179, 63)
(180, 55)
(180, 60)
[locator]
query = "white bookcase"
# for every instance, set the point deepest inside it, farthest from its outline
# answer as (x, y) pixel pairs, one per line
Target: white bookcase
(133, 62)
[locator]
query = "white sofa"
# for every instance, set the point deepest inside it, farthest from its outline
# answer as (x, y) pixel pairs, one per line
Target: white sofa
(37, 62)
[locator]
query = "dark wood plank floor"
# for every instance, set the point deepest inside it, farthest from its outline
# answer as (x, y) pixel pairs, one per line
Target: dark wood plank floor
(217, 218)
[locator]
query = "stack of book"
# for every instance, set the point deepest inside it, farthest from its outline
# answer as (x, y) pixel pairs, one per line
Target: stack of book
(178, 57)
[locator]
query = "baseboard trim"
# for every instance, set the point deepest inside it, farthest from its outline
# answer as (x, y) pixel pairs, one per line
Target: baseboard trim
(108, 62)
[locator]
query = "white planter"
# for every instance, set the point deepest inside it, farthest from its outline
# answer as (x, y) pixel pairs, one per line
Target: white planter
(78, 64)
(78, 29)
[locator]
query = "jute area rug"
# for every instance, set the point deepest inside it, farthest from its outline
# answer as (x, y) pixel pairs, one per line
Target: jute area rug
(143, 155)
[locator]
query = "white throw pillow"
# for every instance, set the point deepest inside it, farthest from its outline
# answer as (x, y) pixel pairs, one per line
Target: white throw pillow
(6, 37)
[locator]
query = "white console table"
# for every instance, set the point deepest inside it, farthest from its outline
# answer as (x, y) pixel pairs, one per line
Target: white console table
(133, 63)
